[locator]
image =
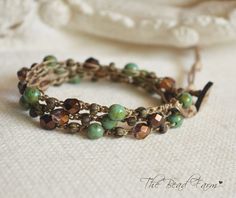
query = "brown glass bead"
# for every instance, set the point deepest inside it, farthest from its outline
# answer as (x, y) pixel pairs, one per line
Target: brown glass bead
(167, 83)
(155, 120)
(60, 116)
(22, 73)
(141, 131)
(72, 105)
(73, 127)
(47, 123)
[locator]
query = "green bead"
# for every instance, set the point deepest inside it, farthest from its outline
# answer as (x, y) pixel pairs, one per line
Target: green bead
(24, 104)
(131, 69)
(186, 100)
(116, 112)
(31, 95)
(95, 131)
(176, 120)
(107, 123)
(75, 80)
(51, 60)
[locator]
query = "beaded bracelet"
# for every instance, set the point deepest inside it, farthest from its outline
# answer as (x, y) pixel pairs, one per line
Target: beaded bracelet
(96, 120)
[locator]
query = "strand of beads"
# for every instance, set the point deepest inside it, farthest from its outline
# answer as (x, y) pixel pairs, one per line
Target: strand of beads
(75, 115)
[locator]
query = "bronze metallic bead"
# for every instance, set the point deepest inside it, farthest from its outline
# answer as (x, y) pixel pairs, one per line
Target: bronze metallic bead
(119, 132)
(142, 112)
(131, 121)
(60, 116)
(73, 127)
(72, 105)
(155, 120)
(51, 103)
(47, 123)
(141, 131)
(94, 108)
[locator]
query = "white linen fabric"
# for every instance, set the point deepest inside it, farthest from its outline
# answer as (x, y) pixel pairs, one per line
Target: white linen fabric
(35, 163)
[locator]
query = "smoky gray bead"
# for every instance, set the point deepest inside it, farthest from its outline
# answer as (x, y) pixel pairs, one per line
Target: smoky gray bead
(73, 127)
(119, 132)
(85, 119)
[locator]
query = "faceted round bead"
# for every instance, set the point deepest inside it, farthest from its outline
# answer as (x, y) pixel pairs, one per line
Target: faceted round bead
(95, 131)
(141, 131)
(47, 123)
(31, 95)
(119, 132)
(37, 110)
(60, 116)
(155, 120)
(72, 105)
(73, 127)
(116, 112)
(186, 100)
(167, 83)
(131, 69)
(175, 120)
(24, 104)
(107, 123)
(75, 80)
(51, 60)
(33, 113)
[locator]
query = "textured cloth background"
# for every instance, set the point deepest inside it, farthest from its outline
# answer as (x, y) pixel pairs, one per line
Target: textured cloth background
(37, 163)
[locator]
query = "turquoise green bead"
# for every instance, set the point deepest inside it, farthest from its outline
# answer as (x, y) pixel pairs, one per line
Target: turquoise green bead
(51, 60)
(176, 120)
(24, 104)
(107, 123)
(116, 112)
(31, 95)
(131, 69)
(95, 131)
(186, 100)
(75, 80)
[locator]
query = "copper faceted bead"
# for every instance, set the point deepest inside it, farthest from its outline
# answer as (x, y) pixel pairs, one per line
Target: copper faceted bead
(141, 131)
(47, 123)
(60, 116)
(155, 120)
(72, 105)
(167, 83)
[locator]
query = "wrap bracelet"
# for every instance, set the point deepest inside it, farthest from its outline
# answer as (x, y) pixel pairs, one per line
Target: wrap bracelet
(95, 120)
